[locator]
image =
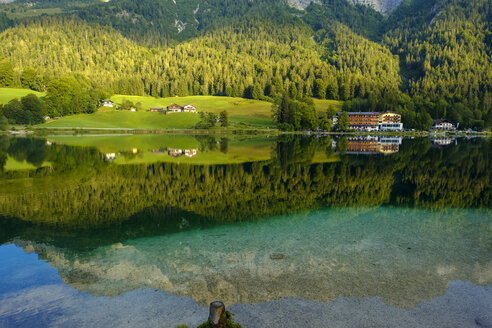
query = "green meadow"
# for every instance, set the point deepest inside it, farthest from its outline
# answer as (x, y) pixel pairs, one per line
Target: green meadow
(322, 105)
(242, 113)
(7, 94)
(240, 110)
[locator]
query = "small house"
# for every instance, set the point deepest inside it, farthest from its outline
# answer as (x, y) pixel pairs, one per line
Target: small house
(174, 152)
(156, 109)
(189, 108)
(190, 152)
(107, 103)
(174, 108)
(443, 125)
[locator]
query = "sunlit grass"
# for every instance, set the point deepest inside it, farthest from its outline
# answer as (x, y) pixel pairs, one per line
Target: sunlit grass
(7, 94)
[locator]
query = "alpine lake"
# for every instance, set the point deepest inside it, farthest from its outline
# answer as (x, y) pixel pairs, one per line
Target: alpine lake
(289, 231)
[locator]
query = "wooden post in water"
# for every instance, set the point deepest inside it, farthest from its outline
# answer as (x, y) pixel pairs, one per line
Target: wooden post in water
(217, 311)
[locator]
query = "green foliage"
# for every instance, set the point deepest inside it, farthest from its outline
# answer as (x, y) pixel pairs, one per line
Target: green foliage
(207, 120)
(4, 123)
(325, 123)
(343, 122)
(67, 95)
(320, 89)
(342, 145)
(361, 19)
(224, 119)
(227, 319)
(126, 104)
(296, 115)
(31, 80)
(35, 106)
(13, 111)
(444, 49)
(6, 73)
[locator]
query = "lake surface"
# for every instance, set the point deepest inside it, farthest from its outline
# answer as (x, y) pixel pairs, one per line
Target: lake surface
(147, 230)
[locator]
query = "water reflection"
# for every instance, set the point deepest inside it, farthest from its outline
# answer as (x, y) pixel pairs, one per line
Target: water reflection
(252, 221)
(368, 145)
(81, 188)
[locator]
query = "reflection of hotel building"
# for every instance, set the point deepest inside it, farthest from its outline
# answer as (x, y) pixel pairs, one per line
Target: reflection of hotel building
(367, 145)
(372, 121)
(389, 145)
(362, 145)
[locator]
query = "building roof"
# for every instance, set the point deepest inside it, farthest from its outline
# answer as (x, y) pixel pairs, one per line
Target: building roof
(439, 121)
(360, 113)
(107, 100)
(156, 108)
(174, 105)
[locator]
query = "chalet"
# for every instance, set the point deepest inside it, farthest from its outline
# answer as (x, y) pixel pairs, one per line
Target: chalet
(190, 152)
(189, 108)
(156, 109)
(175, 152)
(107, 103)
(443, 125)
(174, 108)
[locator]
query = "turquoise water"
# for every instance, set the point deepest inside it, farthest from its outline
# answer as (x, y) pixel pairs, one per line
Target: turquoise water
(402, 240)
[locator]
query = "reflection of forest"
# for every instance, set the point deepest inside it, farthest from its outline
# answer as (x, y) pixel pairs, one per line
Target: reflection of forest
(81, 188)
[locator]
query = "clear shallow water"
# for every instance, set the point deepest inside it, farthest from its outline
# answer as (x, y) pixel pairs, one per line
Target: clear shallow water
(379, 241)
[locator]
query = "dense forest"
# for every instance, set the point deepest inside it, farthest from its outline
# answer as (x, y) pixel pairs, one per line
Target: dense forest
(63, 195)
(425, 59)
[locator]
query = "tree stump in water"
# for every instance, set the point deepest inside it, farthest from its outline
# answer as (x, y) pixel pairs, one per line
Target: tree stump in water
(217, 314)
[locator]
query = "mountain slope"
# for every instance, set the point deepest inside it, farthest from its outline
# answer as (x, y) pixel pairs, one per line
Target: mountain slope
(446, 54)
(412, 60)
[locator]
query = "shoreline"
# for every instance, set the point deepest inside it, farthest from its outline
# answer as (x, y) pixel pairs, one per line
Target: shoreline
(275, 132)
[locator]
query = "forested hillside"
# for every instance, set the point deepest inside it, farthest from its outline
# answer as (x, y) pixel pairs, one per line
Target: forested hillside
(425, 58)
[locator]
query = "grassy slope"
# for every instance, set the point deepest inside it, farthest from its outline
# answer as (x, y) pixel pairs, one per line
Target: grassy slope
(241, 111)
(322, 105)
(126, 120)
(250, 112)
(247, 111)
(7, 94)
